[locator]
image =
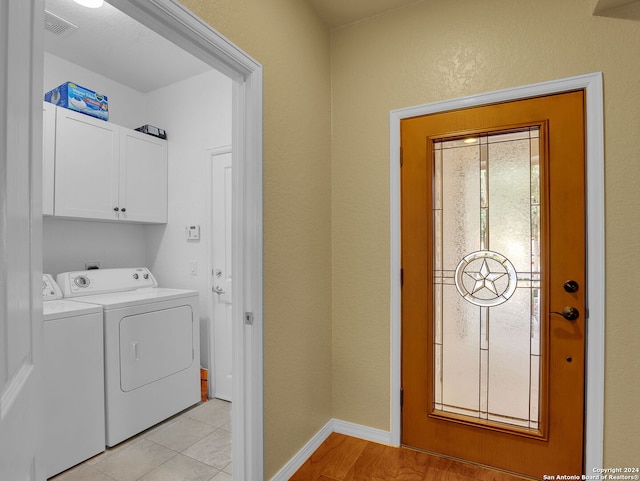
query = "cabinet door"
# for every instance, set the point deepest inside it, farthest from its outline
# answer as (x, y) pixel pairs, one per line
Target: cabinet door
(143, 177)
(87, 167)
(48, 156)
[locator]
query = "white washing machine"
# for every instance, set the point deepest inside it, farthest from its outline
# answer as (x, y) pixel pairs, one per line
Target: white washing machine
(151, 346)
(73, 379)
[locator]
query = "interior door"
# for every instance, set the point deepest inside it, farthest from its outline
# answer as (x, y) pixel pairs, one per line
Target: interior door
(21, 245)
(493, 297)
(222, 275)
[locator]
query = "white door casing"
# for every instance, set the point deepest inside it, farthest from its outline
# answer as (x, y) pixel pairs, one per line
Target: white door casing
(21, 332)
(220, 338)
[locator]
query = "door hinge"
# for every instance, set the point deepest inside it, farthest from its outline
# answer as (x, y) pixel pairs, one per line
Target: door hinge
(401, 277)
(248, 318)
(401, 157)
(401, 397)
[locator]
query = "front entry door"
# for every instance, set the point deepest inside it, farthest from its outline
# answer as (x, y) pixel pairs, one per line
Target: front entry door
(493, 296)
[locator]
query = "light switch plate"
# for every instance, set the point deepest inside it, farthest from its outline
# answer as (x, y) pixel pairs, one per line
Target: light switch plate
(192, 232)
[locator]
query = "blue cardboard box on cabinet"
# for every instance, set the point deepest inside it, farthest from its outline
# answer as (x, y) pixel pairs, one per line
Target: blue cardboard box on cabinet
(74, 97)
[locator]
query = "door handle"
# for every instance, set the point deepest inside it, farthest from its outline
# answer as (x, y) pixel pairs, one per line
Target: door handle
(570, 313)
(218, 290)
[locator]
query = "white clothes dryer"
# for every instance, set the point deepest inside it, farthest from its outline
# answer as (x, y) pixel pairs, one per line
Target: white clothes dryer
(151, 346)
(73, 380)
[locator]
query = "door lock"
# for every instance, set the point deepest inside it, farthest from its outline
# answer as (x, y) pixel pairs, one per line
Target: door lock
(571, 286)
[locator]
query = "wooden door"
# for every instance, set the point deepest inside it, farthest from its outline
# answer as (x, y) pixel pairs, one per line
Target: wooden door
(493, 227)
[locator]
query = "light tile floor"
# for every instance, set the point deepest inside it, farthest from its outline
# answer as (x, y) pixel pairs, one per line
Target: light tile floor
(194, 445)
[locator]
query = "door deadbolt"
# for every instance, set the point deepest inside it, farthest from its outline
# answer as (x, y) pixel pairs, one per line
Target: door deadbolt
(571, 286)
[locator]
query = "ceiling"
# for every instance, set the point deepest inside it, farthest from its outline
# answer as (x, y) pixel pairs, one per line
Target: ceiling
(336, 13)
(114, 45)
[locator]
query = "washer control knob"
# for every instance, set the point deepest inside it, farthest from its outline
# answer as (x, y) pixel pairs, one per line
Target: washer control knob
(135, 276)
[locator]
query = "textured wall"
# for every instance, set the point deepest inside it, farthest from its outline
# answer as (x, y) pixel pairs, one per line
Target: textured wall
(293, 46)
(442, 50)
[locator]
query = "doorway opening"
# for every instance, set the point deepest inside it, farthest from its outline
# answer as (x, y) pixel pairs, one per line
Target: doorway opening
(169, 19)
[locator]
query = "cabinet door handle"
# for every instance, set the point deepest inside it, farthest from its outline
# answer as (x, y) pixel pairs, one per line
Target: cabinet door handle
(116, 209)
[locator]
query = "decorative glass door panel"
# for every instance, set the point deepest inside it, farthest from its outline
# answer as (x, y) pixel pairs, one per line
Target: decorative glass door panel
(487, 284)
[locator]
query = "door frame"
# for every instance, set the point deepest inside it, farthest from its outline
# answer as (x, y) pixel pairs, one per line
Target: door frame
(595, 289)
(179, 25)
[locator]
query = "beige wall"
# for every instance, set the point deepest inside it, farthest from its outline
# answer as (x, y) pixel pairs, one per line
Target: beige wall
(293, 46)
(442, 50)
(327, 329)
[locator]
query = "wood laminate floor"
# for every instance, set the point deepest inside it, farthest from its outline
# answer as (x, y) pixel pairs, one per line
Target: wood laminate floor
(343, 458)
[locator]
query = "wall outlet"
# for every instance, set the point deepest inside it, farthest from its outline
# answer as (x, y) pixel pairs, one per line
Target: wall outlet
(91, 265)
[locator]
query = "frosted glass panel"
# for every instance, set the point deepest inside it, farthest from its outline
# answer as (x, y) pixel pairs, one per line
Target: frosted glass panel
(460, 362)
(460, 207)
(509, 340)
(510, 204)
(486, 297)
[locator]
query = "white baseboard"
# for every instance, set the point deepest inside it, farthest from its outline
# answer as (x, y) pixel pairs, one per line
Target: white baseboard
(305, 453)
(362, 432)
(332, 426)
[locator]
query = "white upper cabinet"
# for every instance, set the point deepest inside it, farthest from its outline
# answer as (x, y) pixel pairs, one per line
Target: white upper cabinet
(143, 177)
(107, 172)
(48, 156)
(87, 167)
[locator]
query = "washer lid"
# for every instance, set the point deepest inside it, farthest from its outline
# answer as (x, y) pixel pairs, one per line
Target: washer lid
(117, 300)
(63, 308)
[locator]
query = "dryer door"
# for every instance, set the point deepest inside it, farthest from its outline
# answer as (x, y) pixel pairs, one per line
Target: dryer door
(155, 345)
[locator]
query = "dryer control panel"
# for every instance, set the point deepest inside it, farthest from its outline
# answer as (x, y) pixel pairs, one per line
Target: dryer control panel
(103, 281)
(50, 290)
